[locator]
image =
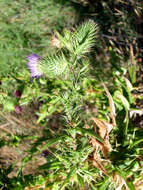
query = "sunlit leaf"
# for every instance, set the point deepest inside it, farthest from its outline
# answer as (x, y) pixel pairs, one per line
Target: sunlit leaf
(112, 106)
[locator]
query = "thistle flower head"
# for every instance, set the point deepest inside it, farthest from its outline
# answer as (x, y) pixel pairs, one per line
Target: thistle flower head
(18, 109)
(45, 153)
(33, 65)
(17, 94)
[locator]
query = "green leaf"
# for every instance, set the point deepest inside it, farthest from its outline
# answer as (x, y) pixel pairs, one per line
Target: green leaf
(126, 105)
(105, 184)
(52, 141)
(51, 166)
(137, 142)
(132, 73)
(69, 176)
(93, 187)
(124, 101)
(89, 133)
(80, 180)
(9, 105)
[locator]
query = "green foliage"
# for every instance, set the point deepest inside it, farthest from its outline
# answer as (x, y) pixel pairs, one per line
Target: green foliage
(82, 40)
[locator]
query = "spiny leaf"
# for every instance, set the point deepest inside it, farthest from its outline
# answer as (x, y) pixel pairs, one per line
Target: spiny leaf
(54, 65)
(53, 141)
(65, 40)
(84, 38)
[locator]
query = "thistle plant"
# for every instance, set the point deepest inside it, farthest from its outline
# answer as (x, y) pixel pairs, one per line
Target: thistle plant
(79, 153)
(81, 149)
(69, 65)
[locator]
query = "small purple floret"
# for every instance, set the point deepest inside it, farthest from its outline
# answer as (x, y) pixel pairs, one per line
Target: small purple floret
(45, 153)
(33, 65)
(17, 94)
(18, 109)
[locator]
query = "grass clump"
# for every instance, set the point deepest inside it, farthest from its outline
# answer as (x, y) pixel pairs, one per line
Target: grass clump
(27, 26)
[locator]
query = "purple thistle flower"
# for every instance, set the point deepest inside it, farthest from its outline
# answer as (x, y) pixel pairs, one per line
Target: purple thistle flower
(18, 109)
(33, 65)
(17, 94)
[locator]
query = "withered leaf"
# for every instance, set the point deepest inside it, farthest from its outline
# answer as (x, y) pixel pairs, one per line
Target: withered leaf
(97, 162)
(104, 129)
(119, 181)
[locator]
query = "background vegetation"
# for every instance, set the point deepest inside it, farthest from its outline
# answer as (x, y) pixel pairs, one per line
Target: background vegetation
(78, 125)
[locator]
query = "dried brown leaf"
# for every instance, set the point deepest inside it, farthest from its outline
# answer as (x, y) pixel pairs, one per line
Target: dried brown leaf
(139, 184)
(97, 162)
(132, 56)
(106, 148)
(55, 42)
(3, 128)
(128, 83)
(119, 181)
(35, 187)
(104, 129)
